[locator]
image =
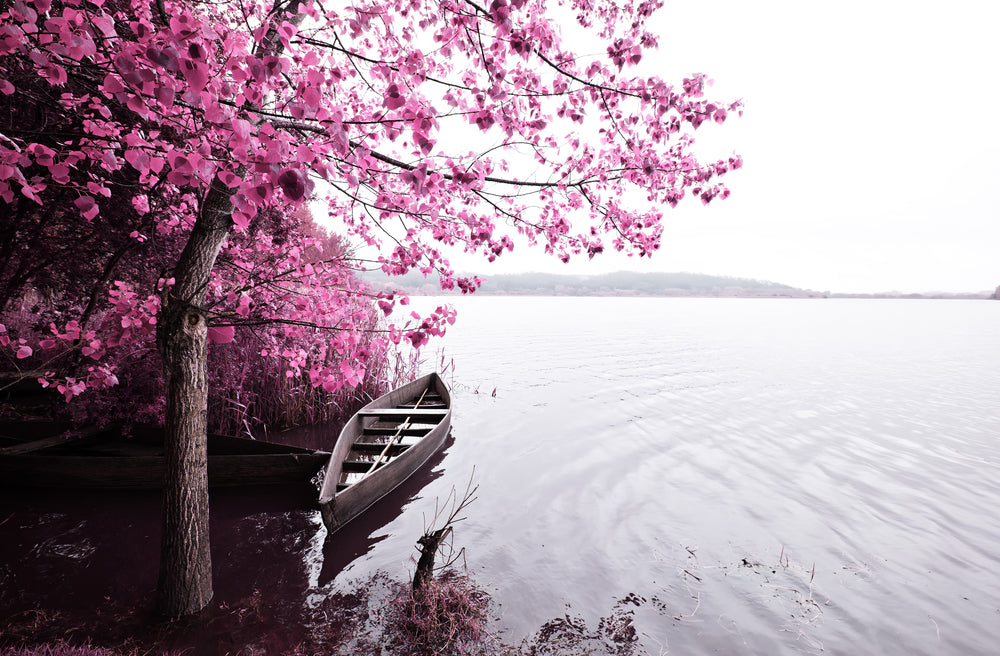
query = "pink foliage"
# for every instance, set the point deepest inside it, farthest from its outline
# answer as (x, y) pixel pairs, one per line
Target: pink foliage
(416, 117)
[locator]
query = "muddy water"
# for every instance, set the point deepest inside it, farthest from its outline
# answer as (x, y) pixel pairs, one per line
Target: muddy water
(695, 476)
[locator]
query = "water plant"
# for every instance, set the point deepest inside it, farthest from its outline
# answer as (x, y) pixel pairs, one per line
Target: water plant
(446, 615)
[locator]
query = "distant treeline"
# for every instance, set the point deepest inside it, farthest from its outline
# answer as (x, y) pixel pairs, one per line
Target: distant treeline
(607, 284)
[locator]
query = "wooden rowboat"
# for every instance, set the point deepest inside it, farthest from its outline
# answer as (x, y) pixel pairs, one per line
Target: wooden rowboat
(56, 458)
(382, 445)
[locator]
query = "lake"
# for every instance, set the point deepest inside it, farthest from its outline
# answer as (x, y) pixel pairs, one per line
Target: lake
(731, 475)
(692, 476)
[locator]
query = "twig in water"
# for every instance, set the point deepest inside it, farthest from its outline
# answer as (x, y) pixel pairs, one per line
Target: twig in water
(434, 538)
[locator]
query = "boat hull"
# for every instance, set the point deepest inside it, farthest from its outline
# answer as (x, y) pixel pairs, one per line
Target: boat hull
(113, 462)
(340, 507)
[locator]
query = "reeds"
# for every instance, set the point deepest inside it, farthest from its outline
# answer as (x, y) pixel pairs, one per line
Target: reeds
(249, 393)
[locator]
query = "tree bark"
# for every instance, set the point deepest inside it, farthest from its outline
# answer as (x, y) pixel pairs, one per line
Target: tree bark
(185, 579)
(185, 582)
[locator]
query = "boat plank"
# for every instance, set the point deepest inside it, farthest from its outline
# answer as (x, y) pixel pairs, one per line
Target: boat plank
(402, 412)
(54, 440)
(375, 448)
(360, 466)
(387, 431)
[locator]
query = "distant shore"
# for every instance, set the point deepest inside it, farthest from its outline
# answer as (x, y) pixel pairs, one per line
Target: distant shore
(668, 285)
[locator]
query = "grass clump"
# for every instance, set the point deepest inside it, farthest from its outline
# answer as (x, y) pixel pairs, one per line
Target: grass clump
(447, 615)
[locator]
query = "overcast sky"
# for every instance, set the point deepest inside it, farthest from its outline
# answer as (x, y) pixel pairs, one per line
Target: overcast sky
(870, 140)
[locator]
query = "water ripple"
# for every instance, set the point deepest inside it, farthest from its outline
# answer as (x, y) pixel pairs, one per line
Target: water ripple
(768, 477)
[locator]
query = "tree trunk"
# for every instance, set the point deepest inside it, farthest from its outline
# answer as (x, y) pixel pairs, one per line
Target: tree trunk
(185, 581)
(185, 584)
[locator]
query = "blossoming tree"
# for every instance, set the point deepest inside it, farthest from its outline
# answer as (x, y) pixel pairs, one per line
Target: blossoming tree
(422, 125)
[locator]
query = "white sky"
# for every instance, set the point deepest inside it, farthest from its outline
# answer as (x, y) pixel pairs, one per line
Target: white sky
(870, 141)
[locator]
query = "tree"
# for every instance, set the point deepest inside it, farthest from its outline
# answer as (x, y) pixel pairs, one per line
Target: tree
(421, 126)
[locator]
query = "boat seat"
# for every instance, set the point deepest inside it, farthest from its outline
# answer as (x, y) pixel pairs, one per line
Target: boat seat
(403, 413)
(386, 431)
(362, 466)
(375, 448)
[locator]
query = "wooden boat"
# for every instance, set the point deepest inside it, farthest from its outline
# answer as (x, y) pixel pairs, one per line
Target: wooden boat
(94, 458)
(382, 445)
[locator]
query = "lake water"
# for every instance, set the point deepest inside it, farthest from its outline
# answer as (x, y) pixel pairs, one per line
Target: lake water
(730, 475)
(683, 476)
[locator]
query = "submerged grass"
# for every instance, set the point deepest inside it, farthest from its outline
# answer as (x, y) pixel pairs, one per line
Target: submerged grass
(58, 649)
(381, 617)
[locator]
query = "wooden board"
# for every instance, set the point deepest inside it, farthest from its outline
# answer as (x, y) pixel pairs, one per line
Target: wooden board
(403, 413)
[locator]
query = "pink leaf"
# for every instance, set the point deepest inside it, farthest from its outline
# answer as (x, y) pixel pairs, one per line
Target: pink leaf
(88, 207)
(60, 173)
(425, 144)
(221, 334)
(287, 31)
(195, 73)
(183, 26)
(352, 376)
(293, 183)
(103, 22)
(55, 74)
(229, 179)
(24, 352)
(241, 220)
(393, 98)
(165, 95)
(113, 85)
(96, 188)
(141, 204)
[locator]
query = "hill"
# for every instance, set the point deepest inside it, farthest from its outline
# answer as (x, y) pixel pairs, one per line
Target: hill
(621, 283)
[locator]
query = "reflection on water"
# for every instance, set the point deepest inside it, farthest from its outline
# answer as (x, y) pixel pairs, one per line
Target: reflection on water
(273, 564)
(695, 476)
